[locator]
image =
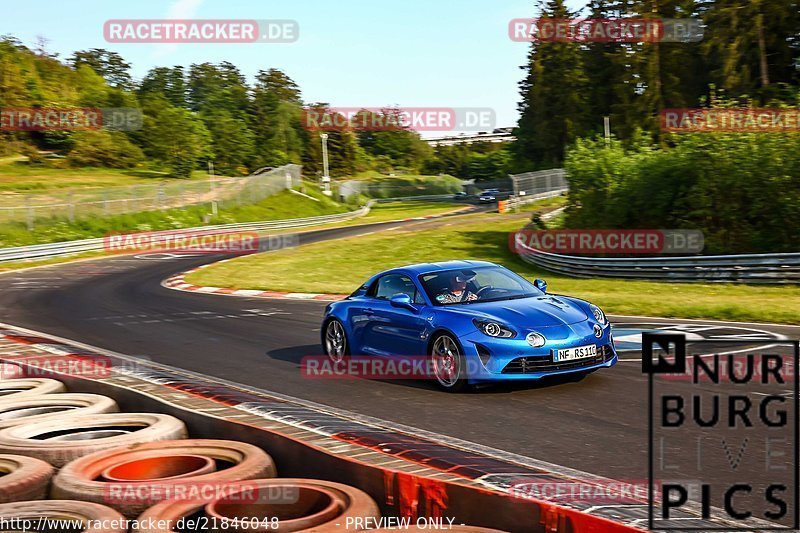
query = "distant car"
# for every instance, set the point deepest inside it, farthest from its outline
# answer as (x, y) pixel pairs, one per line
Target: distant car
(487, 196)
(460, 196)
(472, 321)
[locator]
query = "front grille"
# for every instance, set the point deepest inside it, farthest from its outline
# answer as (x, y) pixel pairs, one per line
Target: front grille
(531, 364)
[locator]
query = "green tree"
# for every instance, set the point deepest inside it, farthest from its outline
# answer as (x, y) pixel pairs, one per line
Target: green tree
(174, 136)
(275, 118)
(670, 74)
(401, 146)
(752, 47)
(108, 64)
(489, 166)
(232, 140)
(169, 82)
(553, 108)
(217, 87)
(343, 150)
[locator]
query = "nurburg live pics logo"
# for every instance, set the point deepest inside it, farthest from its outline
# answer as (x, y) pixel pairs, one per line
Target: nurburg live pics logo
(723, 446)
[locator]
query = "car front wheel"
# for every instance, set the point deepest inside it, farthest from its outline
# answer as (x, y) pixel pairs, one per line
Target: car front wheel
(448, 364)
(334, 341)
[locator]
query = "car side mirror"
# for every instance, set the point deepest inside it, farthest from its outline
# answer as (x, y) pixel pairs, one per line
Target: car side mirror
(403, 301)
(541, 285)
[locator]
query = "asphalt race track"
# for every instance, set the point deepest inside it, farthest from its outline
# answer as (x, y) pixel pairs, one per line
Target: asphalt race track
(597, 425)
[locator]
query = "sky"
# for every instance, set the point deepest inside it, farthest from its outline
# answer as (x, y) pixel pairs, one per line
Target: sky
(350, 53)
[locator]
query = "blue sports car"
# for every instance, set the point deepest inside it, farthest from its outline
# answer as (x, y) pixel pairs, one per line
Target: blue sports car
(472, 321)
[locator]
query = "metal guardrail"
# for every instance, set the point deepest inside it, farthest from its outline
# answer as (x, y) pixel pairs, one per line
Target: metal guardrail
(61, 249)
(744, 268)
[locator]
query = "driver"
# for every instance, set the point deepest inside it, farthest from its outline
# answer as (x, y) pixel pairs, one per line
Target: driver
(457, 290)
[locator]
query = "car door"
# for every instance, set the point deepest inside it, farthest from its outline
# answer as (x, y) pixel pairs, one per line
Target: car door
(358, 316)
(395, 330)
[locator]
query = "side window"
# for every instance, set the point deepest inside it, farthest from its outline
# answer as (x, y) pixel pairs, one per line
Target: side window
(389, 285)
(362, 290)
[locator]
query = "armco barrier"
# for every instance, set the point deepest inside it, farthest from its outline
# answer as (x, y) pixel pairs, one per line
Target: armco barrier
(60, 249)
(745, 268)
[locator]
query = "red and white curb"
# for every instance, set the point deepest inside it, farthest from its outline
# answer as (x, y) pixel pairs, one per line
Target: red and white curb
(178, 283)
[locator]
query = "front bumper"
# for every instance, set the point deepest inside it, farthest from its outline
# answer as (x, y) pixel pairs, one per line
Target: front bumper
(493, 359)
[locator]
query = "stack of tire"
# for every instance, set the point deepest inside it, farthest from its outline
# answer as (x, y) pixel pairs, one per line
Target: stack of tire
(100, 466)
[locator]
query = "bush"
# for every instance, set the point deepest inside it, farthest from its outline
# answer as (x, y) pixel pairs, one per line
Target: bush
(33, 155)
(741, 189)
(104, 149)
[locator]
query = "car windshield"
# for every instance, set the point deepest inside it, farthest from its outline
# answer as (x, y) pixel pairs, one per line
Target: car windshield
(472, 285)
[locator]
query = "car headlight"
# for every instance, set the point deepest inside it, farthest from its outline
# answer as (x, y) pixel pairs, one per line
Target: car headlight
(598, 314)
(535, 339)
(493, 329)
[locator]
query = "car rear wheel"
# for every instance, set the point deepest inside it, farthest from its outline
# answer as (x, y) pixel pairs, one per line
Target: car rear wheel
(335, 341)
(448, 364)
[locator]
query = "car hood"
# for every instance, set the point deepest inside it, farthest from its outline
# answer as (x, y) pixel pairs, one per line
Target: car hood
(541, 311)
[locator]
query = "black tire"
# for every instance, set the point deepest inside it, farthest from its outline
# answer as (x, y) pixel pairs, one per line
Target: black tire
(328, 344)
(449, 372)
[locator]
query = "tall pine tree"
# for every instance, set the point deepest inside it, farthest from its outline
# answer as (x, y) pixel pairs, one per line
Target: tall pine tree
(553, 109)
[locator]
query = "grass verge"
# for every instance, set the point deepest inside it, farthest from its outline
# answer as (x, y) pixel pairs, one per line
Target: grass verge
(17, 175)
(401, 210)
(276, 207)
(339, 266)
(51, 261)
(380, 213)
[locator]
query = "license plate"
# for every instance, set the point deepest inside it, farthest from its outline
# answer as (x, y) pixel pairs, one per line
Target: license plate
(578, 352)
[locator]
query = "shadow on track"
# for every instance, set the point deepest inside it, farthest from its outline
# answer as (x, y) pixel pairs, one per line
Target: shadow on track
(295, 355)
